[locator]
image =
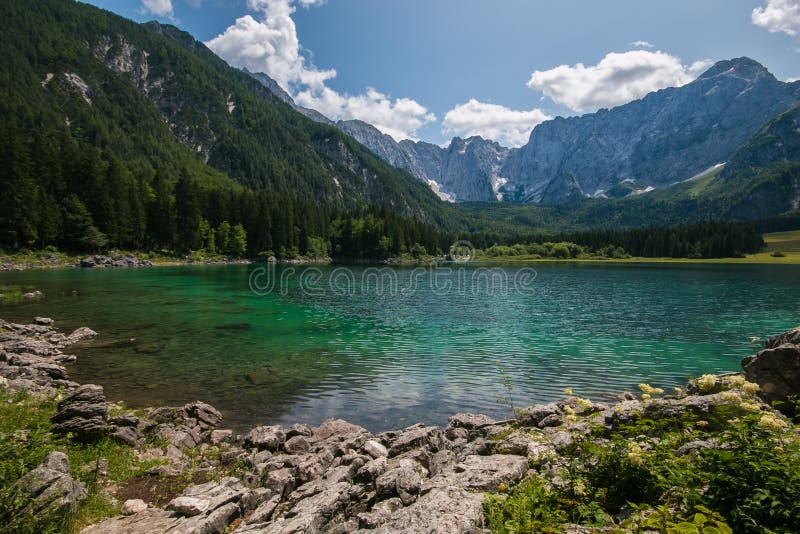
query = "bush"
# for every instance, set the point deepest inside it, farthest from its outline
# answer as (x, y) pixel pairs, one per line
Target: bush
(636, 474)
(778, 254)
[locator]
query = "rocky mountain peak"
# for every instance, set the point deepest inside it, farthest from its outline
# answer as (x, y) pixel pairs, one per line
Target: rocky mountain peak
(741, 67)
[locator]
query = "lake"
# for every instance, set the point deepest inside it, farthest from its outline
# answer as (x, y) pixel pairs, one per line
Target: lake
(385, 348)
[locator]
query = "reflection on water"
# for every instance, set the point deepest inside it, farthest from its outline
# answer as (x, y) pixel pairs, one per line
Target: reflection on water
(388, 360)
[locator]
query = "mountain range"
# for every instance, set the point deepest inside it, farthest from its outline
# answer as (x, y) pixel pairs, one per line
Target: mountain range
(664, 138)
(88, 97)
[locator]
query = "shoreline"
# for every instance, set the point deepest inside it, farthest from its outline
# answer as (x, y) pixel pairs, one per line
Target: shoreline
(790, 259)
(338, 477)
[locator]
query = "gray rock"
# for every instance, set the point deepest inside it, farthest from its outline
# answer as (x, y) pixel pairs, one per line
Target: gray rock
(777, 372)
(482, 473)
(541, 415)
(791, 337)
(82, 413)
(127, 435)
(206, 415)
(48, 492)
(264, 510)
(299, 430)
(221, 436)
(469, 421)
(337, 428)
(133, 506)
(265, 438)
(297, 445)
(414, 437)
(380, 513)
(372, 470)
(280, 481)
(443, 510)
(127, 419)
(151, 520)
(375, 448)
(402, 481)
(216, 522)
(189, 506)
(43, 321)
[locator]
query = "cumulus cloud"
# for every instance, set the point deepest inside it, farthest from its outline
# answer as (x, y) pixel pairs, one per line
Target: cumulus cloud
(779, 16)
(400, 118)
(159, 8)
(641, 44)
(491, 121)
(617, 79)
(269, 44)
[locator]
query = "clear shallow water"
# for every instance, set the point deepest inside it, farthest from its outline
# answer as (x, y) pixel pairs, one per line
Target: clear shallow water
(389, 360)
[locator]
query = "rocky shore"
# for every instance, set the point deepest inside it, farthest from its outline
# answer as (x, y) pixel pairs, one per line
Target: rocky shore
(337, 477)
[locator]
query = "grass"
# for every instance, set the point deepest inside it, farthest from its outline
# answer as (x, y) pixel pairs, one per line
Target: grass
(785, 242)
(26, 439)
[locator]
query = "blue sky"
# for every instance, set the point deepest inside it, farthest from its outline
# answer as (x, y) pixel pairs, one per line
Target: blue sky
(432, 69)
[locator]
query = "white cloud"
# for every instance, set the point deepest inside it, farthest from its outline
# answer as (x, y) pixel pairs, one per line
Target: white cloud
(159, 8)
(491, 121)
(779, 16)
(617, 79)
(270, 44)
(400, 118)
(641, 44)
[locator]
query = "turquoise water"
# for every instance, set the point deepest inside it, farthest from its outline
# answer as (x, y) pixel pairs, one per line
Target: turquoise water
(384, 358)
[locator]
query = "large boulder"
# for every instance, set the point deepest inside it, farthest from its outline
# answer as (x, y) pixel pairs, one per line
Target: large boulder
(481, 473)
(777, 371)
(48, 491)
(82, 414)
(790, 336)
(444, 510)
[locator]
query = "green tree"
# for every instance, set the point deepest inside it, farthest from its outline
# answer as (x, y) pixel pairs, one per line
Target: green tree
(237, 245)
(188, 216)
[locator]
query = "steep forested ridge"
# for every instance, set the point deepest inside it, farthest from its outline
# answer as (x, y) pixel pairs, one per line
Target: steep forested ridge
(99, 117)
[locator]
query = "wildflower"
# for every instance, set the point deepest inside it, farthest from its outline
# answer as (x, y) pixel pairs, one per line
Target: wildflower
(750, 388)
(568, 410)
(730, 396)
(779, 449)
(646, 396)
(635, 454)
(749, 406)
(572, 418)
(706, 383)
(585, 404)
(736, 380)
(579, 488)
(677, 390)
(650, 390)
(772, 422)
(701, 423)
(567, 391)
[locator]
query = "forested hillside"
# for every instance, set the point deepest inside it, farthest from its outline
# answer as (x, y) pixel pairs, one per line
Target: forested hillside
(100, 117)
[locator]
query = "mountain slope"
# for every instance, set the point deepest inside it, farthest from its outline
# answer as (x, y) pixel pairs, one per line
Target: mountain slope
(666, 137)
(77, 65)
